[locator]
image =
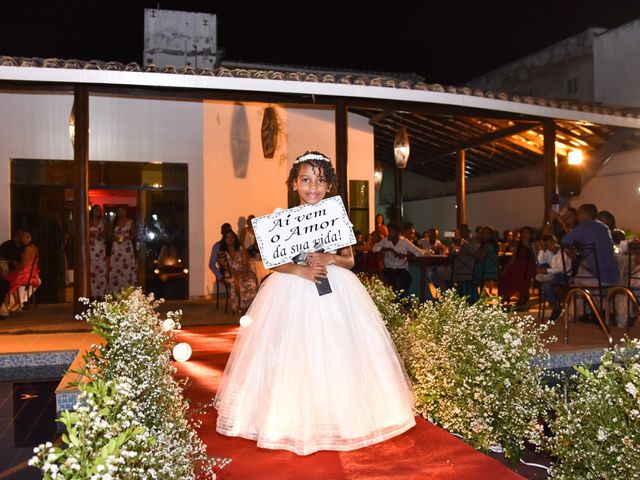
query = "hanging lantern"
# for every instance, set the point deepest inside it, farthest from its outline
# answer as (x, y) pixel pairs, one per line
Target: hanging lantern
(72, 124)
(377, 176)
(269, 132)
(401, 148)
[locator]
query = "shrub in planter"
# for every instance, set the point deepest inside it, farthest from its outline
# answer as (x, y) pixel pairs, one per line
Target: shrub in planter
(476, 370)
(137, 349)
(596, 429)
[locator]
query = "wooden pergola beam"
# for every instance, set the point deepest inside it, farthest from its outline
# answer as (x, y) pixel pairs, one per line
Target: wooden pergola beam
(81, 267)
(549, 167)
(474, 143)
(341, 127)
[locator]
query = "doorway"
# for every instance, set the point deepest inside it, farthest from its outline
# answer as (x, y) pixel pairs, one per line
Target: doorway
(155, 198)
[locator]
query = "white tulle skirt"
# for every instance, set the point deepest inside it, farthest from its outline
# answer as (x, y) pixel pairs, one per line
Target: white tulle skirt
(314, 372)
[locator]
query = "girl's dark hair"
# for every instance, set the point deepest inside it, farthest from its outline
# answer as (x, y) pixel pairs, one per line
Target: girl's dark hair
(324, 166)
(236, 241)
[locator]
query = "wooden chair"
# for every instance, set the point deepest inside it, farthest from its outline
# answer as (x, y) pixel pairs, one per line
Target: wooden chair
(225, 283)
(26, 291)
(578, 275)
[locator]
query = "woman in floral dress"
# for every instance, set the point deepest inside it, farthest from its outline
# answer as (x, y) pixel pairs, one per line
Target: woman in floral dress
(244, 284)
(123, 271)
(97, 252)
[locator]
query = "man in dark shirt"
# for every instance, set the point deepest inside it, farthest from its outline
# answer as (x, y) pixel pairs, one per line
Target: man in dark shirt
(590, 230)
(215, 251)
(11, 250)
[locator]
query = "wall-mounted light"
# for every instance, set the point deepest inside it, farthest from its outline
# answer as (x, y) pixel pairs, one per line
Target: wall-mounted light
(575, 157)
(377, 176)
(401, 148)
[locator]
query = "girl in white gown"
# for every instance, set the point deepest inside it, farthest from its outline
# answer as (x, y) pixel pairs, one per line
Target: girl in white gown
(314, 372)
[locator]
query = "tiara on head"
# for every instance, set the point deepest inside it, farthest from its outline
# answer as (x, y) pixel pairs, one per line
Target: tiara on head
(312, 156)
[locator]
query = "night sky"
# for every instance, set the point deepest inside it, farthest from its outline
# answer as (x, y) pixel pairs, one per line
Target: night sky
(446, 42)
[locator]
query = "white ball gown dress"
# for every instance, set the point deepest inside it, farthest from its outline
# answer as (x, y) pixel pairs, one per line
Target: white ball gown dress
(314, 372)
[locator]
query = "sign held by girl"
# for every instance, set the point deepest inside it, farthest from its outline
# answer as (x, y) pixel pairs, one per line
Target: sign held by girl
(285, 234)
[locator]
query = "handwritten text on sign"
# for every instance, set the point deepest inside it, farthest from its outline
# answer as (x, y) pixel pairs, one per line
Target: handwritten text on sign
(284, 234)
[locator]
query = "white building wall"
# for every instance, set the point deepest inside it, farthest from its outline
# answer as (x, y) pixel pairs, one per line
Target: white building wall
(31, 126)
(228, 199)
(617, 65)
(231, 199)
(144, 130)
(34, 126)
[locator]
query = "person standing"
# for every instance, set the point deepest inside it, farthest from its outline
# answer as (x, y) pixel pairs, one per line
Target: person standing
(314, 372)
(123, 272)
(97, 252)
(396, 251)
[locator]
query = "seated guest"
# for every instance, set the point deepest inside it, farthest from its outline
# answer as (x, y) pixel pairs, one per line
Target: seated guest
(26, 272)
(591, 231)
(381, 228)
(11, 250)
(4, 290)
(505, 244)
(617, 234)
(563, 224)
(431, 243)
(396, 250)
(548, 248)
(518, 272)
(243, 281)
(214, 265)
(606, 217)
(409, 232)
(551, 272)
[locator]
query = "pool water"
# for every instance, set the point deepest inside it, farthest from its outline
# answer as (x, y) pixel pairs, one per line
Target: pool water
(27, 419)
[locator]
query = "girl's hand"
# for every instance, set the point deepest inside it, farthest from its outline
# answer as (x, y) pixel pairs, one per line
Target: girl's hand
(310, 273)
(318, 259)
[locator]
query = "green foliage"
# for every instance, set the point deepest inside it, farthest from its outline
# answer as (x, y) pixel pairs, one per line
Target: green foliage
(131, 417)
(596, 427)
(472, 366)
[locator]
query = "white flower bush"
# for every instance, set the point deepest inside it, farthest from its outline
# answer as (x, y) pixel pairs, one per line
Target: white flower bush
(104, 438)
(472, 366)
(596, 427)
(135, 361)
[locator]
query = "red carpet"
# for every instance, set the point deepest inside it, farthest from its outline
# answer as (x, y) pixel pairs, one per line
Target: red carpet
(424, 452)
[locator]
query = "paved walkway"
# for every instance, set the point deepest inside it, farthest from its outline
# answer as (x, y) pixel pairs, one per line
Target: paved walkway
(46, 320)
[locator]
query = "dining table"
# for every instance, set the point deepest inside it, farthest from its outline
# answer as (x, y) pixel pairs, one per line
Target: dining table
(424, 263)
